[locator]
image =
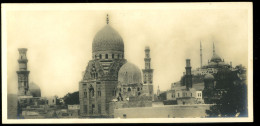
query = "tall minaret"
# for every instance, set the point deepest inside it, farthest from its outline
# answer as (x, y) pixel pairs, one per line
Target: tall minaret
(200, 55)
(213, 49)
(188, 76)
(148, 74)
(23, 73)
(107, 19)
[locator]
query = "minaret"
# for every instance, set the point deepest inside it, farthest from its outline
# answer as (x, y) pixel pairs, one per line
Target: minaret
(107, 19)
(188, 75)
(23, 73)
(213, 49)
(200, 55)
(148, 74)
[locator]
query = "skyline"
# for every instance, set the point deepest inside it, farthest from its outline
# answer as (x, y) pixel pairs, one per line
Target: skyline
(59, 42)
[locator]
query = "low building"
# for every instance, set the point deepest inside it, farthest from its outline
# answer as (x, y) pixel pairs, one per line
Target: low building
(52, 100)
(73, 111)
(187, 94)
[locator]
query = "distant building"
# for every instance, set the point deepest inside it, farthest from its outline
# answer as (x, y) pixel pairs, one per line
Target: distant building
(214, 64)
(52, 100)
(73, 111)
(184, 95)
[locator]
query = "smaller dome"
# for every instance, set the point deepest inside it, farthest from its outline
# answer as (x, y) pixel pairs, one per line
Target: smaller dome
(215, 58)
(129, 74)
(34, 90)
(208, 77)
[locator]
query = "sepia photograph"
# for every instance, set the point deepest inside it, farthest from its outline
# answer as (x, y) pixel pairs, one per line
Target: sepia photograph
(127, 62)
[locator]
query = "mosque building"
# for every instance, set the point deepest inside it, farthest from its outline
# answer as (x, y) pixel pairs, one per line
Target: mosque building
(195, 83)
(214, 64)
(110, 81)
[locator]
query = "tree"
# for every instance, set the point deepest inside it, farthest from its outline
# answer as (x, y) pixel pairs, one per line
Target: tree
(233, 102)
(71, 98)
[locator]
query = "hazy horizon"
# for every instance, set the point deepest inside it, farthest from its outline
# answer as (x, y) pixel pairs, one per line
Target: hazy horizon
(59, 42)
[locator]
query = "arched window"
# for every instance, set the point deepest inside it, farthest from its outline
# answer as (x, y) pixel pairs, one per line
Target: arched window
(112, 56)
(92, 93)
(100, 56)
(138, 89)
(129, 89)
(85, 93)
(91, 90)
(106, 56)
(139, 93)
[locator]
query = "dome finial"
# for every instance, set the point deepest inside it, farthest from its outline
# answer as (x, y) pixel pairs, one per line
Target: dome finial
(107, 19)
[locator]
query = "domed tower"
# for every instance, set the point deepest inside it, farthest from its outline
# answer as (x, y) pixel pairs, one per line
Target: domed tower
(98, 85)
(209, 81)
(108, 44)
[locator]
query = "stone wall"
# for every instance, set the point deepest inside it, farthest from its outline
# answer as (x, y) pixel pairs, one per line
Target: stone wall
(169, 111)
(133, 102)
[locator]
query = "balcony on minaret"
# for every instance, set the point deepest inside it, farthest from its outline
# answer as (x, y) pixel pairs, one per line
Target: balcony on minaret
(187, 62)
(22, 59)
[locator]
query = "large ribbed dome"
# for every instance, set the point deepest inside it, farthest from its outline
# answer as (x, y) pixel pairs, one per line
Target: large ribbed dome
(129, 74)
(107, 39)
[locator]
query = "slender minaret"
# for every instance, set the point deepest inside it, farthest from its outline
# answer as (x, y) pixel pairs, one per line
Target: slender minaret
(107, 19)
(213, 49)
(148, 74)
(188, 75)
(23, 73)
(200, 55)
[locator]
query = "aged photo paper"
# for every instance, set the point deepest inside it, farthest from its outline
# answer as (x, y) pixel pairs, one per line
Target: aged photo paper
(127, 62)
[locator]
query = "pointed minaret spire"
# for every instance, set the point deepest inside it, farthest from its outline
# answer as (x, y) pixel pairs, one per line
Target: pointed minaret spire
(107, 19)
(213, 49)
(200, 55)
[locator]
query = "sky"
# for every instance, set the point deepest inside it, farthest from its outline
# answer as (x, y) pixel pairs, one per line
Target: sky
(59, 41)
